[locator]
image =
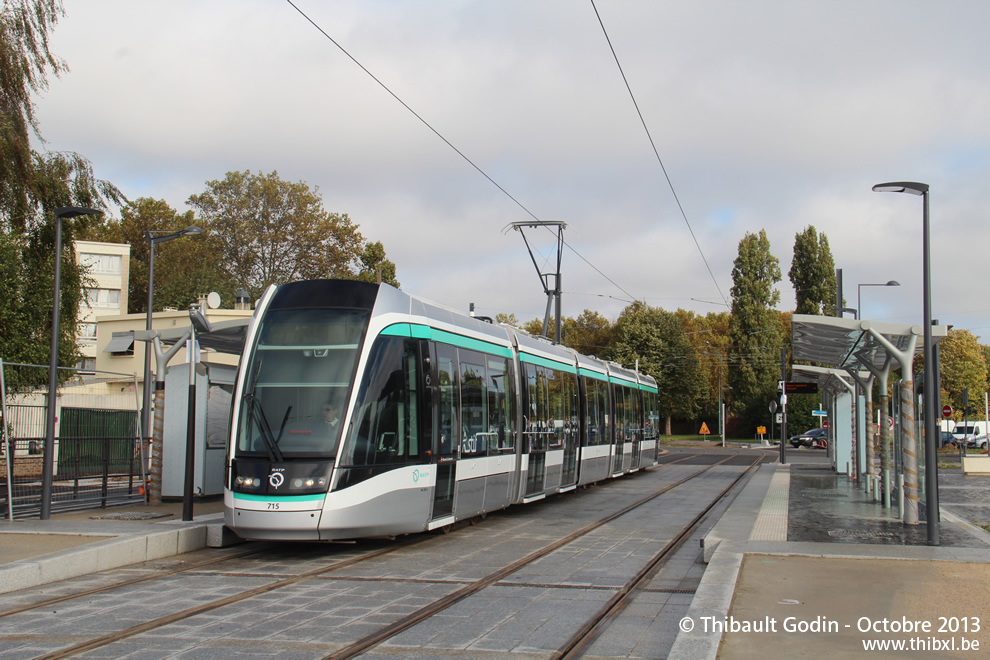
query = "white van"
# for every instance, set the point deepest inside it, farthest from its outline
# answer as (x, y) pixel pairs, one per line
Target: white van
(964, 430)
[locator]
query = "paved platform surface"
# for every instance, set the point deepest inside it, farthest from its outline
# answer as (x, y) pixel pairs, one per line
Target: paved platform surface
(806, 565)
(34, 552)
(803, 564)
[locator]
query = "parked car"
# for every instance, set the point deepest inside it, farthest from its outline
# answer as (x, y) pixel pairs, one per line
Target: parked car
(810, 438)
(947, 439)
(977, 442)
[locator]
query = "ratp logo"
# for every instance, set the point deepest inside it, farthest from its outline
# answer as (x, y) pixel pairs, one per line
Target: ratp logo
(417, 475)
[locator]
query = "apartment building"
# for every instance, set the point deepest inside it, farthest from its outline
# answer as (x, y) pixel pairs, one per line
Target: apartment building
(105, 294)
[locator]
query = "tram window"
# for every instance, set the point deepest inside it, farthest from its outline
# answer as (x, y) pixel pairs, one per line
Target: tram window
(385, 428)
(620, 413)
(637, 414)
(302, 359)
(446, 376)
(499, 413)
(595, 393)
(570, 412)
(535, 431)
(555, 403)
(652, 417)
(474, 414)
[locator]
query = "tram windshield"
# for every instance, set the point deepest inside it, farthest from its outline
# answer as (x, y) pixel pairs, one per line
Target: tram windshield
(298, 381)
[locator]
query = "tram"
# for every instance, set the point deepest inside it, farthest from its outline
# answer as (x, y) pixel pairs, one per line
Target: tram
(360, 411)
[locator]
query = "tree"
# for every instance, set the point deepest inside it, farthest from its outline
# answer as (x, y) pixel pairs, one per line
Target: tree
(270, 231)
(654, 339)
(754, 330)
(184, 267)
(590, 333)
(813, 273)
(963, 364)
(375, 267)
(32, 185)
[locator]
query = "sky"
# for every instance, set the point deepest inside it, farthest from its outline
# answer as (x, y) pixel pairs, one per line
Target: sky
(771, 115)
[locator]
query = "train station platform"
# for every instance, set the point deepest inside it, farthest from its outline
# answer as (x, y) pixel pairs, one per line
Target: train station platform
(799, 545)
(36, 552)
(804, 564)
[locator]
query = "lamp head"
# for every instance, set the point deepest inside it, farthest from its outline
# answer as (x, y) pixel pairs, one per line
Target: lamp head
(75, 211)
(902, 187)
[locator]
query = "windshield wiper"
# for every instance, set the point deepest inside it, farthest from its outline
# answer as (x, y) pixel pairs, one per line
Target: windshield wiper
(282, 428)
(274, 453)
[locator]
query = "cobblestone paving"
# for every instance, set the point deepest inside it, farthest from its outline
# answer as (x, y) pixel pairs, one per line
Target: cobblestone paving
(528, 614)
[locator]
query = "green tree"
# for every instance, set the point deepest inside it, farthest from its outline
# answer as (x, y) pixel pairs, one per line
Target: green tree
(270, 231)
(962, 364)
(754, 331)
(375, 266)
(590, 333)
(32, 185)
(813, 273)
(507, 319)
(655, 339)
(184, 268)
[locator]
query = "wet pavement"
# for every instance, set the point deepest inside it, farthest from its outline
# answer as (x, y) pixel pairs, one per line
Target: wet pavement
(825, 507)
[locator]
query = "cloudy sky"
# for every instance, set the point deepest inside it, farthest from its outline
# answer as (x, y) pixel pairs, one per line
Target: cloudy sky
(767, 114)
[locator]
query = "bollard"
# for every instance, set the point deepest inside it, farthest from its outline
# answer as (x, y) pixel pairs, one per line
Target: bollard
(900, 495)
(886, 488)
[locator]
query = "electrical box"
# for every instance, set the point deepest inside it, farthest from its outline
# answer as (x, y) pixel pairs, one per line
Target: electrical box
(212, 409)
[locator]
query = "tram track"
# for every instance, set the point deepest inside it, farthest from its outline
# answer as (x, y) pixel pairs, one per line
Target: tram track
(392, 630)
(421, 615)
(623, 597)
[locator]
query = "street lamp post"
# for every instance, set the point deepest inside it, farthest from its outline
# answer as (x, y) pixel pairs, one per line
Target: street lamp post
(48, 466)
(931, 447)
(152, 241)
(859, 295)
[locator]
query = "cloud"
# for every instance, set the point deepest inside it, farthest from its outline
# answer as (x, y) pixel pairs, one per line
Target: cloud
(766, 115)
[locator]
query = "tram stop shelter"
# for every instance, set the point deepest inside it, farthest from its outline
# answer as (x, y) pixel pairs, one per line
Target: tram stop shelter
(878, 444)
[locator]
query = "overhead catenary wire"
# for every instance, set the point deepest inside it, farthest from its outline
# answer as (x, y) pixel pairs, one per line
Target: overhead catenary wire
(446, 141)
(656, 152)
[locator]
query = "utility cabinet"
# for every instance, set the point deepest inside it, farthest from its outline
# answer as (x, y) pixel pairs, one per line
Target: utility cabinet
(213, 400)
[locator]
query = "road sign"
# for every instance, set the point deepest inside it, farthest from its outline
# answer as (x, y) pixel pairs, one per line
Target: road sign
(704, 429)
(819, 413)
(761, 430)
(947, 411)
(825, 424)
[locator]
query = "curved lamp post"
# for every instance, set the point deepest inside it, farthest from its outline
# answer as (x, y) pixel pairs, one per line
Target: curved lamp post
(152, 242)
(931, 446)
(859, 295)
(48, 465)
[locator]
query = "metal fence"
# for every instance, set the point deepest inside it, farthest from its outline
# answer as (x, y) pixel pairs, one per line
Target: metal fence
(99, 459)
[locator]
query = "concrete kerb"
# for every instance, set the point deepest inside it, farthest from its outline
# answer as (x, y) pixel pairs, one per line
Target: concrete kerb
(115, 551)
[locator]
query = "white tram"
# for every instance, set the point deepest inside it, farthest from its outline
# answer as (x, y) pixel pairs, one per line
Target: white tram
(360, 411)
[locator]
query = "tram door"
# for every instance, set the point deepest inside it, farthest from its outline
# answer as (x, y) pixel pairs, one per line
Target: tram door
(536, 431)
(637, 437)
(571, 432)
(445, 425)
(619, 427)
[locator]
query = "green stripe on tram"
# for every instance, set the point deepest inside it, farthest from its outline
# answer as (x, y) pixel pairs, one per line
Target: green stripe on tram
(280, 498)
(621, 380)
(418, 331)
(592, 374)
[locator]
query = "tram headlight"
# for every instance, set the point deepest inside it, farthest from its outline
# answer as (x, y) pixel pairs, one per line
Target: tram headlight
(248, 482)
(310, 482)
